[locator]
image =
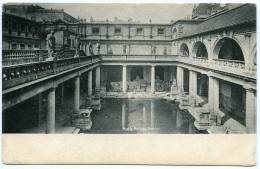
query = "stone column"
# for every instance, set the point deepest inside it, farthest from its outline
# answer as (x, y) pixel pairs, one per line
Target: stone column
(152, 79)
(90, 83)
(62, 93)
(216, 95)
(193, 83)
(144, 73)
(39, 109)
(180, 78)
(97, 78)
(123, 115)
(124, 79)
(250, 110)
(144, 116)
(211, 94)
(77, 94)
(50, 124)
(178, 119)
(152, 114)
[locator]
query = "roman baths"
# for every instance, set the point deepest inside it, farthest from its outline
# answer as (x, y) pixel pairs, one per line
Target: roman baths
(62, 74)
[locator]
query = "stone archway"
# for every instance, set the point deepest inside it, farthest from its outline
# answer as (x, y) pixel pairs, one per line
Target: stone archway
(229, 49)
(184, 50)
(199, 50)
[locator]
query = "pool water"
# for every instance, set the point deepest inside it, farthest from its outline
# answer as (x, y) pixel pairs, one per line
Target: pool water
(140, 116)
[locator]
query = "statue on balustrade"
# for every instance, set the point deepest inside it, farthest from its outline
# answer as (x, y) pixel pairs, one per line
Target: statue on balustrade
(98, 47)
(50, 45)
(77, 46)
(153, 50)
(90, 47)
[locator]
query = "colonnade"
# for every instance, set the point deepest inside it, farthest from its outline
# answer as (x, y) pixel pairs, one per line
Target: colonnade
(214, 95)
(50, 120)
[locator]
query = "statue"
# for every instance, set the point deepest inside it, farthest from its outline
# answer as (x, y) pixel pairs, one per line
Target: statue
(50, 45)
(154, 50)
(174, 87)
(98, 47)
(77, 46)
(124, 49)
(90, 47)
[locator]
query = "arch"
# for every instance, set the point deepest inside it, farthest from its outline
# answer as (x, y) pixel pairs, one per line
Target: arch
(199, 50)
(184, 50)
(228, 48)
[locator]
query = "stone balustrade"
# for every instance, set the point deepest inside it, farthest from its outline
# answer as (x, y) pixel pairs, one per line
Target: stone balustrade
(23, 73)
(229, 66)
(139, 57)
(13, 57)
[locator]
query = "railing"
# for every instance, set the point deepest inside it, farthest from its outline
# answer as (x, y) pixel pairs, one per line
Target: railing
(139, 57)
(230, 63)
(23, 73)
(12, 57)
(229, 66)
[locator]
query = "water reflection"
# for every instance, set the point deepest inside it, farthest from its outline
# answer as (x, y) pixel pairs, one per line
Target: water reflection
(141, 116)
(136, 115)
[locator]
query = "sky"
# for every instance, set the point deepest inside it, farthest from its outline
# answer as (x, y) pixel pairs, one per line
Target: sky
(158, 13)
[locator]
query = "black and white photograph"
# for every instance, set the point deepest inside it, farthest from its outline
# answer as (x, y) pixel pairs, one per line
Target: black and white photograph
(150, 68)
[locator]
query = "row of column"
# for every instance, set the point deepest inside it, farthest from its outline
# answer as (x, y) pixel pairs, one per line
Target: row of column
(124, 79)
(50, 120)
(213, 96)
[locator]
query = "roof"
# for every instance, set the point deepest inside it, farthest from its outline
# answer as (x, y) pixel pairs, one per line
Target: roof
(189, 21)
(236, 16)
(18, 17)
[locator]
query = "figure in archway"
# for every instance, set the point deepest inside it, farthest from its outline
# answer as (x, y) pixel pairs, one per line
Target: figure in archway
(50, 44)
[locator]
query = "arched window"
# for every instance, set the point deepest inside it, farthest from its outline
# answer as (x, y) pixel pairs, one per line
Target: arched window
(229, 49)
(184, 50)
(200, 50)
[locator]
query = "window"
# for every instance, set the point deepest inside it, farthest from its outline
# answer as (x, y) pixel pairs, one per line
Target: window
(139, 31)
(23, 27)
(14, 46)
(180, 29)
(95, 30)
(160, 31)
(36, 46)
(14, 26)
(117, 30)
(29, 46)
(22, 46)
